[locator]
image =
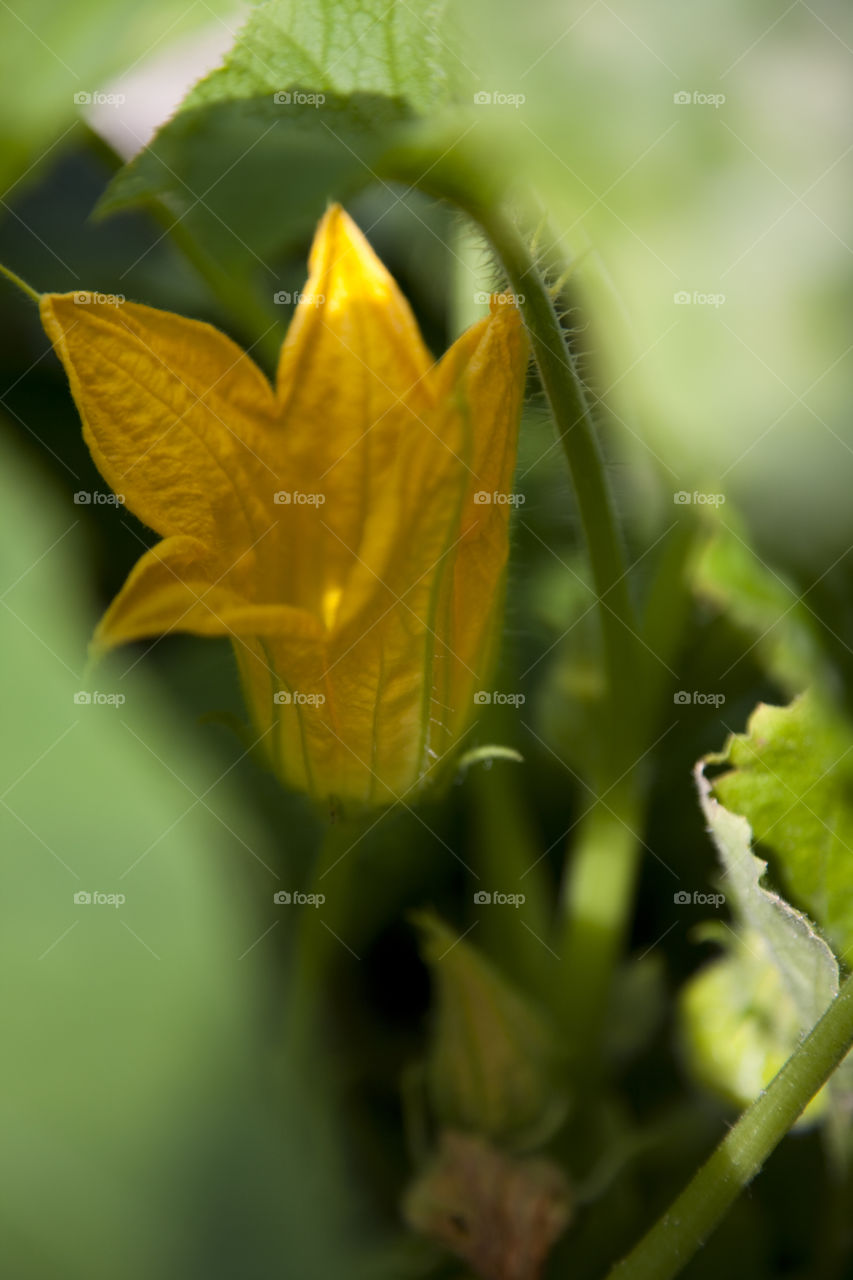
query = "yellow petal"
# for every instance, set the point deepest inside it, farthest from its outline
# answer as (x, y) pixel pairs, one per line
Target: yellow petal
(178, 586)
(175, 415)
(491, 389)
(352, 378)
(417, 626)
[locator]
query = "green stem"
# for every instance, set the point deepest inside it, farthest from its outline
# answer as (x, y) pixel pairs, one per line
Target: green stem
(688, 1222)
(574, 422)
(20, 284)
(599, 886)
(597, 898)
(321, 933)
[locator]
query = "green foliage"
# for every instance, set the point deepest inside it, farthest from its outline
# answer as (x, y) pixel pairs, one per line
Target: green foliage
(728, 572)
(493, 1063)
(740, 1023)
(309, 101)
(341, 46)
(313, 154)
(805, 963)
(791, 776)
(746, 1012)
(132, 1076)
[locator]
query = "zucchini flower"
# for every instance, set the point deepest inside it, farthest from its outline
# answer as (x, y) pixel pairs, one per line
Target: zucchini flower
(346, 529)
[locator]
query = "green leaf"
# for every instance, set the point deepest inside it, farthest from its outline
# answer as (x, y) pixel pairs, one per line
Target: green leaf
(493, 1064)
(745, 1013)
(739, 1025)
(382, 47)
(791, 777)
(292, 158)
(132, 1101)
(762, 602)
(307, 103)
(804, 961)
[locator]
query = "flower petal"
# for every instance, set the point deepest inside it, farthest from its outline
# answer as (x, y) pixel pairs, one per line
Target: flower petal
(492, 388)
(174, 414)
(414, 633)
(352, 378)
(177, 586)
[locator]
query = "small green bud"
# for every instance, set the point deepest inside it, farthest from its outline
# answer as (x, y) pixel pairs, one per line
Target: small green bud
(493, 1066)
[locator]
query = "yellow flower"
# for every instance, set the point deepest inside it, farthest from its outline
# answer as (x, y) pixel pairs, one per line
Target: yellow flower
(334, 526)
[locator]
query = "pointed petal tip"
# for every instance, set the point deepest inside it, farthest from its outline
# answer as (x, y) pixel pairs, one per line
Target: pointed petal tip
(342, 257)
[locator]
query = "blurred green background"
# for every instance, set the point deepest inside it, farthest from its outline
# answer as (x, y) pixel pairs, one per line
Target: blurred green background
(152, 1124)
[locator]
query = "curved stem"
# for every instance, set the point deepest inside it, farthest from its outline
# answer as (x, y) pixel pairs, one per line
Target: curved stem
(16, 280)
(676, 1236)
(573, 418)
(598, 890)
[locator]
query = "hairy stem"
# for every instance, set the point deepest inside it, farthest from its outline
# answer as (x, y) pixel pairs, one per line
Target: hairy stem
(573, 419)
